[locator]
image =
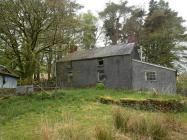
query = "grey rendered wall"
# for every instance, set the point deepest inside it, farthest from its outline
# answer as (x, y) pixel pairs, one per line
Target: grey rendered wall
(165, 83)
(118, 72)
(84, 73)
(135, 54)
(62, 74)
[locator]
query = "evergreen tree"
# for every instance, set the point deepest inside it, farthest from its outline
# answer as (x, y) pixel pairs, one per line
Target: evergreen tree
(162, 30)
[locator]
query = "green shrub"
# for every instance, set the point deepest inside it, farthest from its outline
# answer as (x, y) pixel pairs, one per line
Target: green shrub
(100, 86)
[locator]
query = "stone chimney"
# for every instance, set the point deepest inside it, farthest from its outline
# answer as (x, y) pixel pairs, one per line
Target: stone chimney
(131, 38)
(73, 49)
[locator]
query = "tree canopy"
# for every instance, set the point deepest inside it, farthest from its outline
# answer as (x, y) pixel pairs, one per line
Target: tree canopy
(162, 31)
(30, 28)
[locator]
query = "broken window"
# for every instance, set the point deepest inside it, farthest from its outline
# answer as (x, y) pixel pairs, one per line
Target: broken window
(100, 62)
(151, 76)
(101, 75)
(70, 77)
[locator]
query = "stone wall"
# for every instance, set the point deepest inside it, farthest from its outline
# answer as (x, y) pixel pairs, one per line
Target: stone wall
(27, 89)
(7, 92)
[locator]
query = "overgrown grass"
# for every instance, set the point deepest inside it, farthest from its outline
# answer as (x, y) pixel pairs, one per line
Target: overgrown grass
(22, 117)
(102, 133)
(120, 120)
(138, 126)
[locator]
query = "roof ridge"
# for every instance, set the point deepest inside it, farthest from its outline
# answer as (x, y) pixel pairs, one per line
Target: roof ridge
(113, 50)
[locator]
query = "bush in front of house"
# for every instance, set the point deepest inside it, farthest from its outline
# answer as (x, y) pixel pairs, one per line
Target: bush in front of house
(100, 86)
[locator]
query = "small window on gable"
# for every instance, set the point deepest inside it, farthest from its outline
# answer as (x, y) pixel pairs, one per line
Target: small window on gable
(101, 75)
(100, 62)
(151, 76)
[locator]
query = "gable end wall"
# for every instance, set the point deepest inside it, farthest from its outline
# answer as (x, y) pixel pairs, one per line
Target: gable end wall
(165, 79)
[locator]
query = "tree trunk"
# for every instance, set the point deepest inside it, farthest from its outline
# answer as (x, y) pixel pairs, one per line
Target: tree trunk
(49, 63)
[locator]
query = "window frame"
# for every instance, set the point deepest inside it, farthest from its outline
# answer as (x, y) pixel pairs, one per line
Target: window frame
(150, 79)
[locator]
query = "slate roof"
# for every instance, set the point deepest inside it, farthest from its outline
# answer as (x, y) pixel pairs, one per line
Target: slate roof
(155, 65)
(115, 50)
(5, 71)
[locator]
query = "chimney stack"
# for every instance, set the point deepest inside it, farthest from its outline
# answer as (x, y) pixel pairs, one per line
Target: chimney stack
(131, 38)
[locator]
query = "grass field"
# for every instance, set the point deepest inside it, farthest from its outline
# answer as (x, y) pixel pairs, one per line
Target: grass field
(25, 117)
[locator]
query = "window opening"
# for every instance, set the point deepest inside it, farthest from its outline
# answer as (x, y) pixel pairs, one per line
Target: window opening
(151, 76)
(101, 75)
(100, 62)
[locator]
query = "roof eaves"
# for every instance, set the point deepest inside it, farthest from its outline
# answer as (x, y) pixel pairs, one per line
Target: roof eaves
(8, 74)
(155, 65)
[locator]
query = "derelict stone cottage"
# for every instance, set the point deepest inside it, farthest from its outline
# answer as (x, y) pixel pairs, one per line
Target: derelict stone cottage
(116, 66)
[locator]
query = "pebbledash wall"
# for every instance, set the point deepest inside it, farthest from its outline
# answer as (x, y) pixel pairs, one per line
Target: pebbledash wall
(165, 77)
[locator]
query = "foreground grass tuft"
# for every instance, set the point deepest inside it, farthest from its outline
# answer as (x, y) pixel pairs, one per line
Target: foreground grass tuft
(158, 131)
(102, 133)
(120, 120)
(137, 125)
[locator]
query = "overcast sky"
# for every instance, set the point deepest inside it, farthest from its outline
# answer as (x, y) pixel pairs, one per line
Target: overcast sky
(98, 5)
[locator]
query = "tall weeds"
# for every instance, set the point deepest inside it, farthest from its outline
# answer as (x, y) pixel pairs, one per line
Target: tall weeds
(120, 120)
(45, 131)
(126, 125)
(139, 126)
(102, 133)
